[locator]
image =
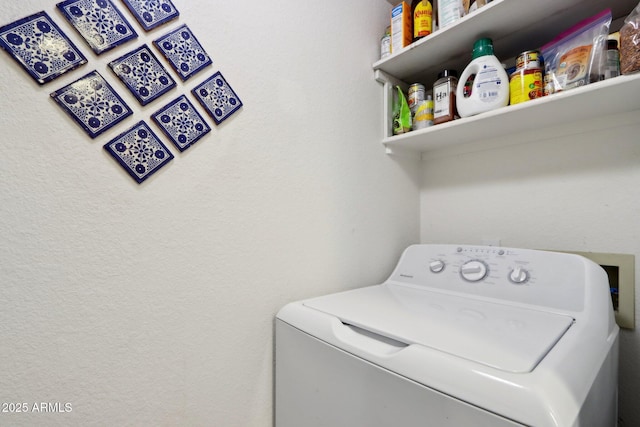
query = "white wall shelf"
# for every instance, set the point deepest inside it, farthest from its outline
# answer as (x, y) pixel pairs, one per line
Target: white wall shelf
(609, 97)
(514, 26)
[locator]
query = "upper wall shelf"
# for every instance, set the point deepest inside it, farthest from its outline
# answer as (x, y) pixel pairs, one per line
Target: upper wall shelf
(514, 26)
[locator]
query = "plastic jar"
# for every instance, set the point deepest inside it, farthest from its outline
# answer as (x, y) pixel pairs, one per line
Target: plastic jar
(444, 97)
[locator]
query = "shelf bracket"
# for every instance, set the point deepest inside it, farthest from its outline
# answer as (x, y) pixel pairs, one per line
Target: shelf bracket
(401, 152)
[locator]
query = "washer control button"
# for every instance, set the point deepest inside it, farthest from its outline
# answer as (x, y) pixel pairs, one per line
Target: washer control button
(436, 266)
(474, 270)
(519, 275)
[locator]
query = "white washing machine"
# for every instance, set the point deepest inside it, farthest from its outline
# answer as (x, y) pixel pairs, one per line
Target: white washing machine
(464, 336)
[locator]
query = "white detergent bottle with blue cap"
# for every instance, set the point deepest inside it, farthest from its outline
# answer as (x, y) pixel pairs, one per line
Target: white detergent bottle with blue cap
(484, 84)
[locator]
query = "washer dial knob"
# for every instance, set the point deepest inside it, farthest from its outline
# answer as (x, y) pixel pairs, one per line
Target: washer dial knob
(474, 270)
(436, 266)
(519, 275)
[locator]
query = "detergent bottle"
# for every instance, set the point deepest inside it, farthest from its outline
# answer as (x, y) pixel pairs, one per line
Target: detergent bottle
(484, 84)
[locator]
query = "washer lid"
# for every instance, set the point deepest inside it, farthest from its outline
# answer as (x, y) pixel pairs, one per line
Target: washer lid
(505, 337)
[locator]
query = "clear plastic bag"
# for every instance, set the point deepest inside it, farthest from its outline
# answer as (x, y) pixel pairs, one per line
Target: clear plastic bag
(630, 43)
(575, 58)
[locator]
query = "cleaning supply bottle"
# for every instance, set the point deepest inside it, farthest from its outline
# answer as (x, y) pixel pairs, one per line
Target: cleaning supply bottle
(484, 84)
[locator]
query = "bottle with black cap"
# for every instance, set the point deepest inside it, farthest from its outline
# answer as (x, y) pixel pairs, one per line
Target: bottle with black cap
(444, 97)
(612, 67)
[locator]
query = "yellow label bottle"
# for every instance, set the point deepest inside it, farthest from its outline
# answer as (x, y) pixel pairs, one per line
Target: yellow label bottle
(422, 18)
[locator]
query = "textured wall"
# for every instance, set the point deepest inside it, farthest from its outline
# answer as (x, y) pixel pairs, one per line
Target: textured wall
(153, 304)
(578, 192)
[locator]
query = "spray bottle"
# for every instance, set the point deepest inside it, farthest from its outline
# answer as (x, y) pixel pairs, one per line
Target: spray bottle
(484, 84)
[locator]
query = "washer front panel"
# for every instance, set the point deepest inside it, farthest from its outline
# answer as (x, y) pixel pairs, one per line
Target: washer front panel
(318, 385)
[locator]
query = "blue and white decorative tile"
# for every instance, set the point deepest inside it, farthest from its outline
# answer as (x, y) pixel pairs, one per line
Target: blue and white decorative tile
(143, 74)
(180, 121)
(92, 103)
(40, 46)
(217, 97)
(99, 22)
(152, 13)
(139, 151)
(183, 51)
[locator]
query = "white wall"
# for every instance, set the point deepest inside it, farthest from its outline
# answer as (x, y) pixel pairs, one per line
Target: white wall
(578, 192)
(153, 304)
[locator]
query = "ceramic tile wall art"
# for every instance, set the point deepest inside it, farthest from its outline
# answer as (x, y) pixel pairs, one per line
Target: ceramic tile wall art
(92, 103)
(183, 51)
(217, 97)
(181, 122)
(40, 46)
(143, 74)
(152, 13)
(139, 151)
(99, 22)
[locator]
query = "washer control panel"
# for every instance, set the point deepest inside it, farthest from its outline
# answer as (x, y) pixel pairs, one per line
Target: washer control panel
(544, 278)
(477, 269)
